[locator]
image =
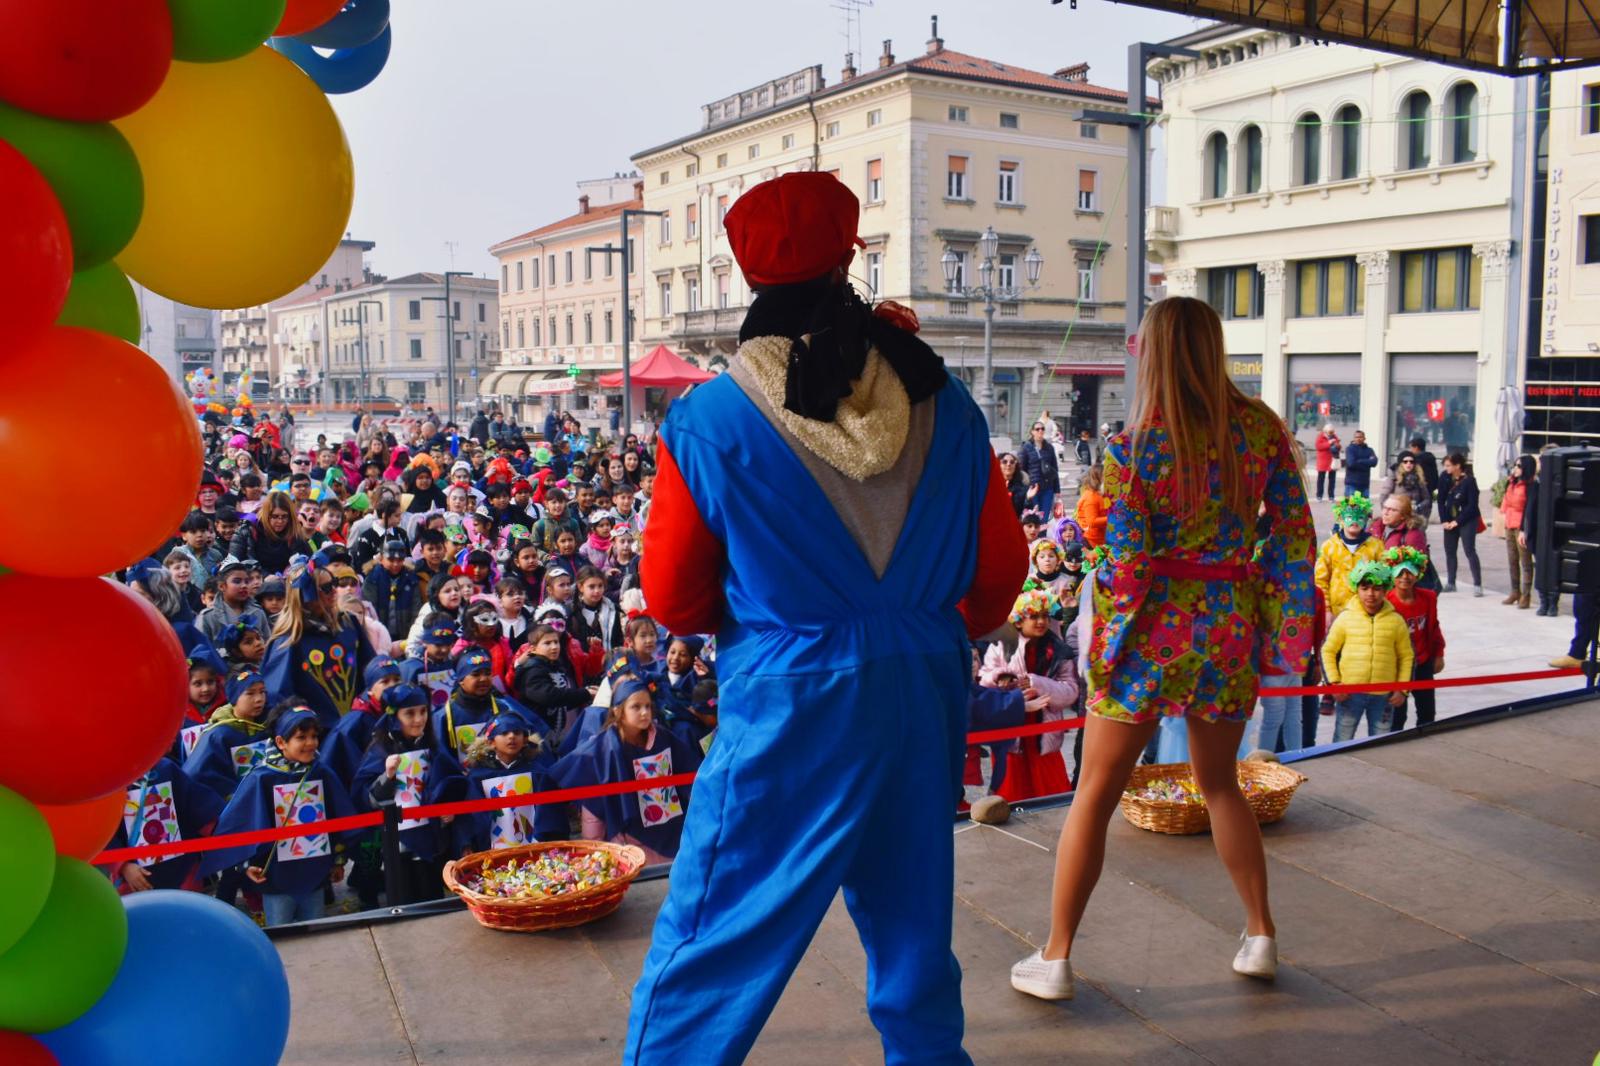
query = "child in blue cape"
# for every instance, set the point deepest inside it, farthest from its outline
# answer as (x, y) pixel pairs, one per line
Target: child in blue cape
(318, 651)
(406, 763)
(206, 671)
(472, 703)
(291, 786)
(683, 670)
(632, 747)
(508, 760)
(163, 806)
(347, 742)
(243, 645)
(235, 739)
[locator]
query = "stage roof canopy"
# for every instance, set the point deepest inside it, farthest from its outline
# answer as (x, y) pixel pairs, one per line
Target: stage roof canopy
(1531, 36)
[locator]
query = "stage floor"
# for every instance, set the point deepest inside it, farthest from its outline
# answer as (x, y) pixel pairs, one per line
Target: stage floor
(1438, 901)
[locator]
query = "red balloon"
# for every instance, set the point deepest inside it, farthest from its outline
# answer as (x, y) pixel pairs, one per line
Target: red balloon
(82, 830)
(20, 1049)
(35, 245)
(303, 15)
(42, 382)
(129, 694)
(83, 60)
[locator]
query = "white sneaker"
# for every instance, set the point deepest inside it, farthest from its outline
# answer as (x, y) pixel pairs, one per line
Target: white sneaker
(1046, 979)
(1257, 957)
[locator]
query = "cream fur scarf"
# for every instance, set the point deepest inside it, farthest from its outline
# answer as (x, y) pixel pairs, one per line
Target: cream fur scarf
(868, 432)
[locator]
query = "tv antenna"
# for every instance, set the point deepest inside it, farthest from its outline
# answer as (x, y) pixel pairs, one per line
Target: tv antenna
(452, 245)
(850, 16)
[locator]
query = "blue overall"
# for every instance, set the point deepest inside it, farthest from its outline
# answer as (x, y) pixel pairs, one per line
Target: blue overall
(836, 764)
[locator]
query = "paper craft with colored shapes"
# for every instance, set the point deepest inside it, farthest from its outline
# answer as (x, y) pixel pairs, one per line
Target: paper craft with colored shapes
(300, 804)
(189, 736)
(410, 776)
(246, 756)
(512, 826)
(656, 805)
(149, 817)
(439, 684)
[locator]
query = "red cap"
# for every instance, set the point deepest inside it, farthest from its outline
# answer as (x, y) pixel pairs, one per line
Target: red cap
(793, 228)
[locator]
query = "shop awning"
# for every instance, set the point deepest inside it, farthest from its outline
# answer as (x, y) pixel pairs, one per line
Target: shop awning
(662, 369)
(502, 383)
(1074, 370)
(549, 383)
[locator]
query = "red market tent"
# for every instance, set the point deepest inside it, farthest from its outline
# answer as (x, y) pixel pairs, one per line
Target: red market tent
(661, 369)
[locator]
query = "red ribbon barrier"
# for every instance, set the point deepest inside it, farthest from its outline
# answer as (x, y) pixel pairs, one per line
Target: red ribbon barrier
(118, 856)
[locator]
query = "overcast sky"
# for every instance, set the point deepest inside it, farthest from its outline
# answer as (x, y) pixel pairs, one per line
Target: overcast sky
(490, 110)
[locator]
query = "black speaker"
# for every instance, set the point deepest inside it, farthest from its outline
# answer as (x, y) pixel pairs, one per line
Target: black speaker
(1567, 524)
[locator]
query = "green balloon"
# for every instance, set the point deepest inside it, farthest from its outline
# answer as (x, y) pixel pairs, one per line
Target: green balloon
(101, 298)
(27, 866)
(94, 174)
(66, 961)
(208, 31)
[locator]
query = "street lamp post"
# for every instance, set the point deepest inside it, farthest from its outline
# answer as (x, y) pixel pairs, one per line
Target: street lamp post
(986, 290)
(450, 339)
(608, 249)
(360, 319)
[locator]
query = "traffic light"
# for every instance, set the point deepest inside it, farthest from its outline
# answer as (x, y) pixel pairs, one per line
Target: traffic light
(1567, 525)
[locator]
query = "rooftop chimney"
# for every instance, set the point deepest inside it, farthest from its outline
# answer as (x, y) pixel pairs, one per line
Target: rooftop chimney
(935, 43)
(849, 70)
(1076, 72)
(887, 59)
(638, 190)
(583, 204)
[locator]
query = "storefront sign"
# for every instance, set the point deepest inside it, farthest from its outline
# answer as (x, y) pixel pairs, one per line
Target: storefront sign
(1565, 395)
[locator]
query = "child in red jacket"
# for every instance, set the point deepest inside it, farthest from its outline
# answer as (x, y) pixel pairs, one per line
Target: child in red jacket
(1420, 608)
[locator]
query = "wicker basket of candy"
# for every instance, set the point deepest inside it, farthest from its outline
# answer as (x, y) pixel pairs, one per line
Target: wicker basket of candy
(1164, 798)
(544, 886)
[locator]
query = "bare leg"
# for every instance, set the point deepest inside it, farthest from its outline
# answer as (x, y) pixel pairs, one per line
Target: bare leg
(1110, 750)
(1213, 751)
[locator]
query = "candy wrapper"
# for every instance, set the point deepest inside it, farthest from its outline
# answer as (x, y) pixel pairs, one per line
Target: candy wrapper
(1184, 790)
(553, 873)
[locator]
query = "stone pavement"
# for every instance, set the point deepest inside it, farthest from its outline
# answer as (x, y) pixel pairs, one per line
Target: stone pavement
(1437, 900)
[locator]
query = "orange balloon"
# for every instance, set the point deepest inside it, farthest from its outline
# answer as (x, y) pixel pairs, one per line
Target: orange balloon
(146, 423)
(302, 15)
(83, 829)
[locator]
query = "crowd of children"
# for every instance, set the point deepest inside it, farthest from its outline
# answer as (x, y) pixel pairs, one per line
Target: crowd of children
(415, 621)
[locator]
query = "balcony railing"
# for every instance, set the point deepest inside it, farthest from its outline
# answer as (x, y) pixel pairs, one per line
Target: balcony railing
(708, 322)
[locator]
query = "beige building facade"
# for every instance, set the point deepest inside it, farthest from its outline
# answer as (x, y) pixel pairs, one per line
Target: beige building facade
(561, 307)
(1351, 215)
(938, 147)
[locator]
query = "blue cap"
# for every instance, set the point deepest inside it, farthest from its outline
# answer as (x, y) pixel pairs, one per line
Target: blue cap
(205, 655)
(380, 668)
(621, 690)
(623, 662)
(695, 644)
(240, 680)
(471, 661)
(293, 719)
(405, 695)
(511, 720)
(440, 635)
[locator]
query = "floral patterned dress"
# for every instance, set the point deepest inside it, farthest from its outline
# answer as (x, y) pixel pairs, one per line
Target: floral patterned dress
(1187, 612)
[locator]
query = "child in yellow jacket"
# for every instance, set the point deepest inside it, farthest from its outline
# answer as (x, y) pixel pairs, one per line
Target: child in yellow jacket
(1350, 545)
(1368, 644)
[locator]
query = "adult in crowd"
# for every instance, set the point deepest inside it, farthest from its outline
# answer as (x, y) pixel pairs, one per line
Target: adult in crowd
(1181, 535)
(1460, 519)
(1516, 506)
(1038, 460)
(1359, 459)
(273, 538)
(1426, 465)
(1409, 480)
(1016, 482)
(1328, 450)
(318, 651)
(830, 410)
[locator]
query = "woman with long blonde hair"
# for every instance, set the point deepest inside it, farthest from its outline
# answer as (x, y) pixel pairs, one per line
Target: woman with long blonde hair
(318, 651)
(1183, 619)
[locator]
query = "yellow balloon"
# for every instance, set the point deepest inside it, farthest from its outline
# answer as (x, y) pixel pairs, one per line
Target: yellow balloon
(248, 182)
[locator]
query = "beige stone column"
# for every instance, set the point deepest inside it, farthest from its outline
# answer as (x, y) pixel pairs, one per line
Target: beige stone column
(1492, 354)
(1375, 360)
(1274, 362)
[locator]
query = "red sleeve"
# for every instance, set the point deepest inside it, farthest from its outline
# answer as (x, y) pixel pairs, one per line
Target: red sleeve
(680, 566)
(1002, 560)
(1435, 633)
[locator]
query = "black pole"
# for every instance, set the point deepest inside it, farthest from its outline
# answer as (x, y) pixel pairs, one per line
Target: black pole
(627, 335)
(391, 853)
(449, 350)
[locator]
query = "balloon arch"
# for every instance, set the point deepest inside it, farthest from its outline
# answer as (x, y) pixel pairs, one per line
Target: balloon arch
(102, 103)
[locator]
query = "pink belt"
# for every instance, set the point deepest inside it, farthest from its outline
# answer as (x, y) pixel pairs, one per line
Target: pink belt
(1184, 570)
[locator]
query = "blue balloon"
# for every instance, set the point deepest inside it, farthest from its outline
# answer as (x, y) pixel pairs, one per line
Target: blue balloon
(346, 70)
(200, 984)
(357, 24)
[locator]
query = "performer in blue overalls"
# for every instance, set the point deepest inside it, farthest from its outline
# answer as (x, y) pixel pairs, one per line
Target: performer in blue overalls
(832, 510)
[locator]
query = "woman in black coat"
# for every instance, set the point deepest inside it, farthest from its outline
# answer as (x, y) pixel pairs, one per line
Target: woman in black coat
(273, 538)
(1016, 482)
(1459, 516)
